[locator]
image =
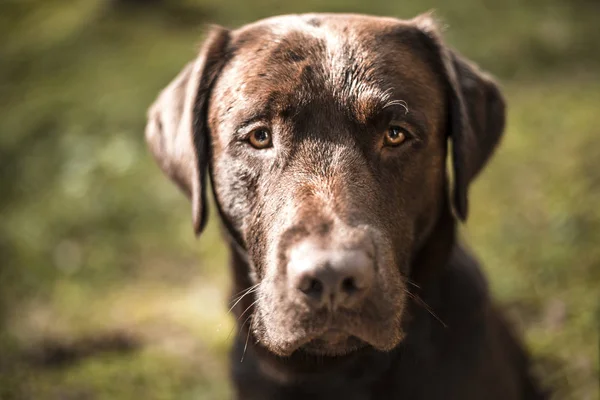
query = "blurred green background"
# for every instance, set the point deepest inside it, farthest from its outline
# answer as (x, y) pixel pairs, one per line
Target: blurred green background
(106, 294)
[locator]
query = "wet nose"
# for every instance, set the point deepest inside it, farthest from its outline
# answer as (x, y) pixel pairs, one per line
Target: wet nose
(330, 277)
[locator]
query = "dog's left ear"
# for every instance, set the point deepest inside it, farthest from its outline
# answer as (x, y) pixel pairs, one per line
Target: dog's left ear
(477, 113)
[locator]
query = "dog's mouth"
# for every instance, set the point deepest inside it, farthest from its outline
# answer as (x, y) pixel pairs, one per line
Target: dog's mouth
(333, 336)
(333, 342)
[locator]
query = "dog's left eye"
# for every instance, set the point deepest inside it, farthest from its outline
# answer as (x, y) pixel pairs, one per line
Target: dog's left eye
(395, 135)
(260, 138)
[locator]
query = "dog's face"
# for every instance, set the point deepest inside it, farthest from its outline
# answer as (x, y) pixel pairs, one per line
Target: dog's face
(325, 137)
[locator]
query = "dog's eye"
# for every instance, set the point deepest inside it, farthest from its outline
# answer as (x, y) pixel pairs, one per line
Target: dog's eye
(395, 135)
(260, 138)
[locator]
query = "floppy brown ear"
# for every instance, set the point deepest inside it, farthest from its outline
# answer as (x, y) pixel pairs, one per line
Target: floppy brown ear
(177, 132)
(477, 114)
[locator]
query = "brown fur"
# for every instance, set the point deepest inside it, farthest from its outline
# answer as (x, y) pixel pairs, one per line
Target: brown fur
(327, 86)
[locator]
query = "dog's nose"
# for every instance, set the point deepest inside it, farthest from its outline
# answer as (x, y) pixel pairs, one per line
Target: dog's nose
(330, 277)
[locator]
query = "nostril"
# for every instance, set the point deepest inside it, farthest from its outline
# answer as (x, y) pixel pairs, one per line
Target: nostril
(349, 285)
(311, 287)
(338, 277)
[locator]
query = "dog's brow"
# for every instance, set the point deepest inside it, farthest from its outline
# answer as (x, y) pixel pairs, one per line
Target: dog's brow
(368, 101)
(393, 103)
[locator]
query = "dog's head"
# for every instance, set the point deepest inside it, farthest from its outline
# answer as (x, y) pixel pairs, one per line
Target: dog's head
(325, 137)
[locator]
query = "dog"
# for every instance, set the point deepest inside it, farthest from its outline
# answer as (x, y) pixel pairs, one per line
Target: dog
(325, 139)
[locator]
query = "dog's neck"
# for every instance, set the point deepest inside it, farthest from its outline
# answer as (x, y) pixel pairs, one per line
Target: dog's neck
(428, 263)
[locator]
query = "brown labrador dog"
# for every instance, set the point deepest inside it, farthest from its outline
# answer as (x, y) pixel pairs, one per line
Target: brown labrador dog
(325, 139)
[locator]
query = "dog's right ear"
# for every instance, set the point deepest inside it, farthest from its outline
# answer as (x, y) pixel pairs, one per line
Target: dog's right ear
(177, 131)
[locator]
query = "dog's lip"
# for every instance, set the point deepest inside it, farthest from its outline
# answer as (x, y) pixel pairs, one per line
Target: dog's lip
(333, 335)
(333, 343)
(325, 338)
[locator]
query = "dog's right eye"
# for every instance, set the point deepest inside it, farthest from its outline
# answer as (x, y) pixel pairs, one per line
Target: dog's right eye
(260, 138)
(395, 135)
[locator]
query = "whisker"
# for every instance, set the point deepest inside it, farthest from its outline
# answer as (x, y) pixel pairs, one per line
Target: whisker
(410, 281)
(242, 326)
(413, 283)
(231, 331)
(247, 308)
(241, 315)
(422, 303)
(241, 297)
(242, 293)
(246, 320)
(246, 345)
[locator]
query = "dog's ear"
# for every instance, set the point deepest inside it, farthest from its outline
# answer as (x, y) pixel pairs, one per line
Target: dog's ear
(477, 113)
(177, 131)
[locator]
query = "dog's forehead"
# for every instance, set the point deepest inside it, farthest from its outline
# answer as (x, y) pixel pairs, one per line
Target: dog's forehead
(360, 62)
(336, 42)
(321, 24)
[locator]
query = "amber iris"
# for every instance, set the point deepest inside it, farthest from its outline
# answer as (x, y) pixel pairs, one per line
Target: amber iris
(395, 135)
(260, 138)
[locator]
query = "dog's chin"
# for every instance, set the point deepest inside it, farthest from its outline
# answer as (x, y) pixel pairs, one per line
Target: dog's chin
(288, 330)
(333, 343)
